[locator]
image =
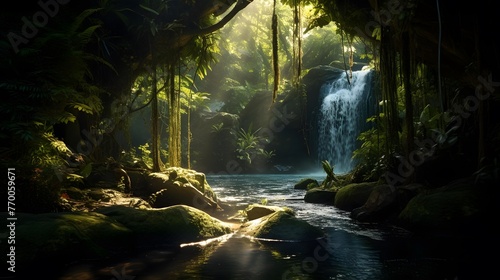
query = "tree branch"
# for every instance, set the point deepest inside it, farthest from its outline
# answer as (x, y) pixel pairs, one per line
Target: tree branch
(240, 5)
(187, 34)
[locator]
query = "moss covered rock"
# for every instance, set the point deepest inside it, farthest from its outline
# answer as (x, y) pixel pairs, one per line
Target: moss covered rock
(385, 202)
(167, 226)
(320, 195)
(256, 211)
(353, 195)
(306, 183)
(449, 207)
(160, 180)
(59, 238)
(45, 240)
(281, 226)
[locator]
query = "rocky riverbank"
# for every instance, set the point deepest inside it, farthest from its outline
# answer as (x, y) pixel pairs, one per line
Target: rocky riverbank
(161, 210)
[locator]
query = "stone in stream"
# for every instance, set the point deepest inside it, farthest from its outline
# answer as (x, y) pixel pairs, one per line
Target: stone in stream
(306, 183)
(281, 226)
(256, 211)
(320, 195)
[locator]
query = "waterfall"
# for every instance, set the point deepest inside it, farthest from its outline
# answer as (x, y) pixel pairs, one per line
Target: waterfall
(344, 109)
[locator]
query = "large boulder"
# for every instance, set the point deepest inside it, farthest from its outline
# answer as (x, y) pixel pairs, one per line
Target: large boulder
(43, 240)
(158, 180)
(281, 226)
(353, 195)
(385, 202)
(320, 195)
(176, 193)
(453, 206)
(181, 186)
(307, 183)
(167, 226)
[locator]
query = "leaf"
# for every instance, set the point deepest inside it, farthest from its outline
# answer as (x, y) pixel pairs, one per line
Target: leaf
(321, 21)
(82, 16)
(66, 118)
(377, 33)
(82, 107)
(86, 35)
(425, 115)
(149, 9)
(86, 170)
(74, 177)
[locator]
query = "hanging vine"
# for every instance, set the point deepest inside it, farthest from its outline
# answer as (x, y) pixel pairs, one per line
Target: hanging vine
(297, 42)
(274, 27)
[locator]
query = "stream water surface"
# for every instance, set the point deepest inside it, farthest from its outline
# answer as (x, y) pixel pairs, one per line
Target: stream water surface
(350, 250)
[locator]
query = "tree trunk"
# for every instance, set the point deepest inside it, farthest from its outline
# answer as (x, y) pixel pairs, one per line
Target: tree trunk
(155, 131)
(174, 147)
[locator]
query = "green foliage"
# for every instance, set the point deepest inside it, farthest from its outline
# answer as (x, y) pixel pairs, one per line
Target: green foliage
(46, 82)
(245, 44)
(247, 144)
(41, 171)
(145, 154)
(216, 128)
(370, 155)
(236, 96)
(250, 145)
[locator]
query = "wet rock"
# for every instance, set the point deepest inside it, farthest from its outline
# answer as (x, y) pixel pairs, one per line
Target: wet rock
(377, 205)
(449, 207)
(256, 211)
(354, 195)
(166, 226)
(319, 195)
(306, 183)
(57, 239)
(281, 226)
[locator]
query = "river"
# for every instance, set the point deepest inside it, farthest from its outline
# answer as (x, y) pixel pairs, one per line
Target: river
(350, 251)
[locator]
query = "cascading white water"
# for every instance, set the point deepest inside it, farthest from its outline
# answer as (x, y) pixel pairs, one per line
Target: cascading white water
(344, 110)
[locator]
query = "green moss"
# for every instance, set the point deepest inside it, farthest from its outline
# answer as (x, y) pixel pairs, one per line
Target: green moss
(68, 236)
(306, 183)
(174, 224)
(353, 195)
(441, 208)
(282, 226)
(61, 238)
(184, 175)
